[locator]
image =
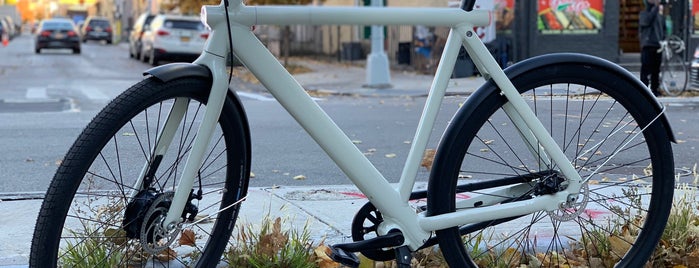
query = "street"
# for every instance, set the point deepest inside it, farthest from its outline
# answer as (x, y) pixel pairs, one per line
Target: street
(48, 98)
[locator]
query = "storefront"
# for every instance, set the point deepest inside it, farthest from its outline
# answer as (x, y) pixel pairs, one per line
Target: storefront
(584, 26)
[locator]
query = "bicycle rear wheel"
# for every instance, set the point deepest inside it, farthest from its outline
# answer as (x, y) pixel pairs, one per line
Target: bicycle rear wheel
(93, 216)
(674, 76)
(598, 119)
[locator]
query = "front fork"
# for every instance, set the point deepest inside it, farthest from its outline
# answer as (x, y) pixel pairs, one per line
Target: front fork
(212, 112)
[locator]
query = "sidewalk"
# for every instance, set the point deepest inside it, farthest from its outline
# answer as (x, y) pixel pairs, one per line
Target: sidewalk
(327, 211)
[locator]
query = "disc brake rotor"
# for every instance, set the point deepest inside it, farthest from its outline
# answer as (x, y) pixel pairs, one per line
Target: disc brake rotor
(154, 236)
(572, 210)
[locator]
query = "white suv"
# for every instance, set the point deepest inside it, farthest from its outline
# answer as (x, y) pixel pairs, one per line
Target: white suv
(173, 38)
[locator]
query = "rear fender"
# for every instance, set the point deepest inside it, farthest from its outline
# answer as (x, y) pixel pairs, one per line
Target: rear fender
(576, 58)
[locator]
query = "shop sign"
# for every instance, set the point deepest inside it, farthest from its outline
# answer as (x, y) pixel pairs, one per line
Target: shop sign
(570, 16)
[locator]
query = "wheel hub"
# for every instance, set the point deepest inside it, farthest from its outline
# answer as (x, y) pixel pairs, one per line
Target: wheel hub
(144, 217)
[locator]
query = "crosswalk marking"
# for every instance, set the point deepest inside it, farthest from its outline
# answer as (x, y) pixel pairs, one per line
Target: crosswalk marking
(94, 94)
(36, 93)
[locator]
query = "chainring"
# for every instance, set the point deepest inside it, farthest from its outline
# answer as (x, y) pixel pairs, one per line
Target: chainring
(366, 223)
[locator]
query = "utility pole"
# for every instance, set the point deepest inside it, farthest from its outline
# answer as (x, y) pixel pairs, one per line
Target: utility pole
(377, 70)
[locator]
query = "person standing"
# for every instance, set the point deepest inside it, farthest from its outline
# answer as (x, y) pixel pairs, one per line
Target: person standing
(651, 24)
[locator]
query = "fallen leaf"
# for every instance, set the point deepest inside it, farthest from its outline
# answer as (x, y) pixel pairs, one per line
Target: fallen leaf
(324, 261)
(252, 175)
(390, 155)
(116, 236)
(300, 177)
(187, 238)
(484, 150)
(166, 255)
(428, 158)
(356, 141)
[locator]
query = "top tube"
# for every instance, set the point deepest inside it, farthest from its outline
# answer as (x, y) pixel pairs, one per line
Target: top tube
(314, 15)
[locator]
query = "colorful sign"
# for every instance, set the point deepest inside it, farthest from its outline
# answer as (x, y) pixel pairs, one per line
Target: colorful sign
(570, 16)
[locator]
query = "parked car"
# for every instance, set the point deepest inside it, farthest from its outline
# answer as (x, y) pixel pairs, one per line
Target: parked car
(4, 30)
(11, 28)
(57, 33)
(173, 38)
(136, 34)
(98, 29)
(694, 71)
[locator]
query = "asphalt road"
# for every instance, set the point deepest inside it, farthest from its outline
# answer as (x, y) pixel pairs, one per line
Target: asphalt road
(48, 98)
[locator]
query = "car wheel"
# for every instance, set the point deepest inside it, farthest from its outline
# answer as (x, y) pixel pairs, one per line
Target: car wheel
(143, 57)
(76, 51)
(153, 59)
(37, 50)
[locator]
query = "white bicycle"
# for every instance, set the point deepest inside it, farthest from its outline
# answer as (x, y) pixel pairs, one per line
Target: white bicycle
(559, 159)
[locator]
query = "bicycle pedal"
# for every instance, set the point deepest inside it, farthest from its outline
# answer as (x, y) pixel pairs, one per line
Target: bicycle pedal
(344, 257)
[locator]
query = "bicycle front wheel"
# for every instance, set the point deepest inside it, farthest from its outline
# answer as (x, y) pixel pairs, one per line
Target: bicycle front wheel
(674, 76)
(95, 216)
(616, 144)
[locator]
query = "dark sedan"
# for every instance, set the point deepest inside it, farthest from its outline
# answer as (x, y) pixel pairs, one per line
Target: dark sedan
(57, 33)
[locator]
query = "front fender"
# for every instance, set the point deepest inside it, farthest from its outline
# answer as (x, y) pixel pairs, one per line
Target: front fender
(583, 59)
(169, 72)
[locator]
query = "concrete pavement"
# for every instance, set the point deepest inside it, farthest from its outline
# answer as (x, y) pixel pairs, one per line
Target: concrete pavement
(328, 210)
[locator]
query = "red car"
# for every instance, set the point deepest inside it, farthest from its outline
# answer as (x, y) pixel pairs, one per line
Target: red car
(57, 33)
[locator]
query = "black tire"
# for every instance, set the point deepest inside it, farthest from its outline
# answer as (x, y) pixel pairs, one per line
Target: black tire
(674, 76)
(481, 144)
(85, 203)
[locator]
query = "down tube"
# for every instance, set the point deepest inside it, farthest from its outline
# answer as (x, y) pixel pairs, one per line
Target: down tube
(324, 131)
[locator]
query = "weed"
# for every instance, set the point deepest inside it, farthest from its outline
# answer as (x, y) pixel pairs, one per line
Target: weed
(270, 246)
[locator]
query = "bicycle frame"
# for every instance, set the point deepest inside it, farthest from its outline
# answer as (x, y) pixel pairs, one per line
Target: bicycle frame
(390, 200)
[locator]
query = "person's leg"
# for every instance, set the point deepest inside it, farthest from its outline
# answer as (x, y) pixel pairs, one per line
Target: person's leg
(656, 60)
(645, 70)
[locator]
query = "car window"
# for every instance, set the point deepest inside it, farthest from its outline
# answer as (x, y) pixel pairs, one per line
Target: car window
(100, 23)
(184, 24)
(148, 20)
(51, 25)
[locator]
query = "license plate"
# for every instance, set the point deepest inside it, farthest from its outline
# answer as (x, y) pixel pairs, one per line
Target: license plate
(184, 38)
(58, 36)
